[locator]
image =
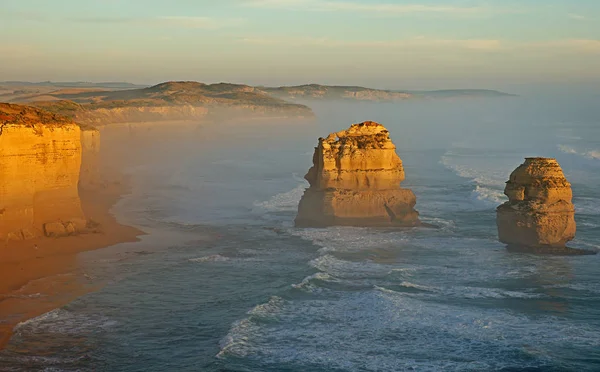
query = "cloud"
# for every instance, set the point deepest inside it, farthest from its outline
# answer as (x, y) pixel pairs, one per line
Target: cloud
(421, 41)
(581, 46)
(188, 22)
(199, 22)
(578, 17)
(383, 8)
(574, 46)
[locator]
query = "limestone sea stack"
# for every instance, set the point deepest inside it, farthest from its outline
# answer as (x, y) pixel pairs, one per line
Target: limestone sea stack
(355, 181)
(539, 213)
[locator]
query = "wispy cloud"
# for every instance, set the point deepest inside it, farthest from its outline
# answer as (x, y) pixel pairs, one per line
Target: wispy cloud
(583, 46)
(476, 44)
(578, 46)
(200, 22)
(383, 8)
(188, 22)
(578, 17)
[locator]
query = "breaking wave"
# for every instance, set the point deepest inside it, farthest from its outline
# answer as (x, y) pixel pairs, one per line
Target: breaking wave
(590, 154)
(488, 186)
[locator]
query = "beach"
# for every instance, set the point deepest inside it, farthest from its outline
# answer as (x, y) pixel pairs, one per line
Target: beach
(41, 274)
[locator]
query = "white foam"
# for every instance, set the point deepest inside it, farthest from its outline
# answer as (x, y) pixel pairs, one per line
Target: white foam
(489, 184)
(589, 206)
(590, 154)
(307, 284)
(595, 154)
(62, 321)
(567, 149)
(308, 333)
(268, 309)
(212, 258)
(283, 202)
(488, 194)
(236, 341)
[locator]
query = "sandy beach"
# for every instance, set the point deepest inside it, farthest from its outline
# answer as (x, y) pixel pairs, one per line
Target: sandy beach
(41, 274)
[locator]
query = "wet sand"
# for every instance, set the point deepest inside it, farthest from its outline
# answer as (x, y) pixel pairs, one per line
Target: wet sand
(42, 274)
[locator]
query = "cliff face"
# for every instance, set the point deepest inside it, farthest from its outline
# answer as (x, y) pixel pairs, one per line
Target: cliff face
(90, 158)
(315, 91)
(355, 180)
(539, 212)
(40, 159)
(102, 116)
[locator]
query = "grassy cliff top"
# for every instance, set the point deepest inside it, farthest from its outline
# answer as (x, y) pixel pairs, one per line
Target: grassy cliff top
(169, 94)
(173, 93)
(27, 116)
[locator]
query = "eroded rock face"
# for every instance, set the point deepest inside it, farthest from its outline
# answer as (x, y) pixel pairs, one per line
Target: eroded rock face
(40, 158)
(90, 158)
(539, 213)
(355, 180)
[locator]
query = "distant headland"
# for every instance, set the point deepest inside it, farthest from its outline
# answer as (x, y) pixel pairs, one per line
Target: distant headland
(120, 102)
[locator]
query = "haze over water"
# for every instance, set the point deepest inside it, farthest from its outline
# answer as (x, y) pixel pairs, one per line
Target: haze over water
(224, 282)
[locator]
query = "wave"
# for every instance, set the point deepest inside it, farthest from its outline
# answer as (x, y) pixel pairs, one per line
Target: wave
(62, 321)
(489, 186)
(398, 329)
(308, 283)
(591, 154)
(268, 309)
(283, 202)
(237, 341)
(462, 291)
(585, 205)
(213, 258)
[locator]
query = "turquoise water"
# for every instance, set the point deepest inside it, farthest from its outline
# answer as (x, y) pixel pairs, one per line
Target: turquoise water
(231, 285)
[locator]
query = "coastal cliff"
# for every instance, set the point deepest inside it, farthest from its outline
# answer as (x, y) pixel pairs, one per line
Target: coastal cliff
(356, 93)
(90, 157)
(316, 91)
(539, 213)
(40, 160)
(355, 180)
(168, 101)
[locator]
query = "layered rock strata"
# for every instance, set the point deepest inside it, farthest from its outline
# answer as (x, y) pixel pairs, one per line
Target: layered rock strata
(40, 159)
(355, 180)
(539, 213)
(89, 175)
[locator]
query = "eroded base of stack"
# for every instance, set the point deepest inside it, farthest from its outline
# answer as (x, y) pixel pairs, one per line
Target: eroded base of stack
(536, 225)
(336, 207)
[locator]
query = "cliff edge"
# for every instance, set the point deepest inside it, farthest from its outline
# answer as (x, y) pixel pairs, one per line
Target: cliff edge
(355, 180)
(40, 160)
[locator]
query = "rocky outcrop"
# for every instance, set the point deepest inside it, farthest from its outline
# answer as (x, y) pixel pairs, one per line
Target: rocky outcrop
(40, 159)
(355, 180)
(539, 213)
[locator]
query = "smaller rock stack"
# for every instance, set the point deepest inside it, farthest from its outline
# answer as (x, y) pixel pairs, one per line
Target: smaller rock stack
(539, 213)
(355, 181)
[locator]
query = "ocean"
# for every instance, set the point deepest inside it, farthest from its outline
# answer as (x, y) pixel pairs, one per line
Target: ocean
(225, 282)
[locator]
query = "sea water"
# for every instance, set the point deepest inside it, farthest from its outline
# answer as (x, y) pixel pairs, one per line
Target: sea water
(239, 288)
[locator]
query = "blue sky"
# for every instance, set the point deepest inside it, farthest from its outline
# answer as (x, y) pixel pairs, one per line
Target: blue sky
(380, 43)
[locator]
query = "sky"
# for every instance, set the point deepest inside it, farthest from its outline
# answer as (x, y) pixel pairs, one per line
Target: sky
(401, 44)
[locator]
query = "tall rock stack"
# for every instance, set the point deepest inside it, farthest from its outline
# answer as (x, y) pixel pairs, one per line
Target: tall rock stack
(539, 213)
(355, 181)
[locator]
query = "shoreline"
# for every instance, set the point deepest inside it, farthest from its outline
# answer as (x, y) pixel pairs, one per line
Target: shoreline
(42, 274)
